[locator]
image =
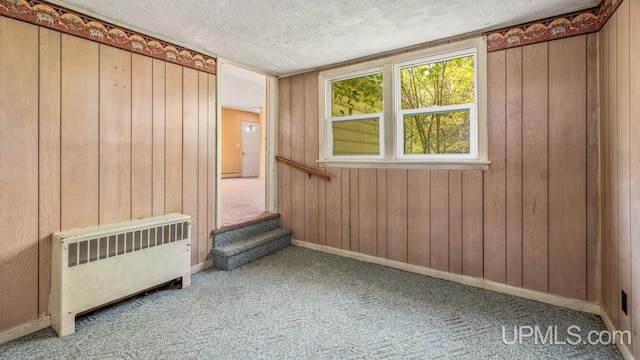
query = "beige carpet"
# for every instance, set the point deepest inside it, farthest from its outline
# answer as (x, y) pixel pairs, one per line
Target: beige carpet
(243, 199)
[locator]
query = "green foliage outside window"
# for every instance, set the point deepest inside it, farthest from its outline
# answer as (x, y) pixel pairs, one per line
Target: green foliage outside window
(442, 83)
(352, 97)
(423, 88)
(359, 95)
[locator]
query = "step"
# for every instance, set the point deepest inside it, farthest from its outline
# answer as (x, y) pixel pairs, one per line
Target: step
(224, 236)
(240, 252)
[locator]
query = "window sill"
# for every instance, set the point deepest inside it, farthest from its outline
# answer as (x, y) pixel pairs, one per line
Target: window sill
(408, 164)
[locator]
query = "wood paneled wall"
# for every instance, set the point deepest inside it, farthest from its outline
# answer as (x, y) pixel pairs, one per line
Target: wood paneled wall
(620, 128)
(529, 221)
(91, 135)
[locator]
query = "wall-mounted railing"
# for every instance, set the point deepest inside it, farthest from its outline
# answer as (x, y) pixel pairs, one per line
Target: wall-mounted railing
(309, 171)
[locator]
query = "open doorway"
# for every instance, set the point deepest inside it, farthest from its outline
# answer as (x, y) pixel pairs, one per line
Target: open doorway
(243, 144)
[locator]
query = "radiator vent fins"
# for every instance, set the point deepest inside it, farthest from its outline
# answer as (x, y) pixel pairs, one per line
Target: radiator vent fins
(100, 248)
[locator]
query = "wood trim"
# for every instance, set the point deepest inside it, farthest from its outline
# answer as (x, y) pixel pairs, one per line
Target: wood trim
(25, 329)
(201, 266)
(303, 168)
(273, 144)
(261, 218)
(573, 304)
(45, 322)
(48, 15)
(408, 164)
(624, 350)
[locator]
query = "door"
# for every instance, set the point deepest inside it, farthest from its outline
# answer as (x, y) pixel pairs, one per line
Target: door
(250, 149)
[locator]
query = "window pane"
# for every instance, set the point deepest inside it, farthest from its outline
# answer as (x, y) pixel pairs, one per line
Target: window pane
(441, 83)
(356, 137)
(360, 95)
(439, 133)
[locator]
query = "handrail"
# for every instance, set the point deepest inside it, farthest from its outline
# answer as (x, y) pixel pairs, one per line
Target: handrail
(303, 168)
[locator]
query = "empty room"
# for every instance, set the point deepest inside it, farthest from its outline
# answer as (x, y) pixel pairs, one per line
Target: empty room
(314, 180)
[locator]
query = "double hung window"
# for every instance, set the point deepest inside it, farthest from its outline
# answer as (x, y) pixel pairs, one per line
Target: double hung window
(425, 109)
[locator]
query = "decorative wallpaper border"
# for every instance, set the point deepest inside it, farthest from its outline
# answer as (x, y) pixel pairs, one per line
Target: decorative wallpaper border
(558, 27)
(55, 17)
(44, 14)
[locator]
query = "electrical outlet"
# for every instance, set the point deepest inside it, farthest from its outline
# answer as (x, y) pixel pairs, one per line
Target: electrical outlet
(624, 302)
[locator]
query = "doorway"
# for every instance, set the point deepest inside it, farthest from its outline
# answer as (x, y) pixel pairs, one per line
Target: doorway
(250, 149)
(242, 193)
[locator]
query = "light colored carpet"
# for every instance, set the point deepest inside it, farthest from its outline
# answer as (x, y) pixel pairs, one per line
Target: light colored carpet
(302, 304)
(243, 199)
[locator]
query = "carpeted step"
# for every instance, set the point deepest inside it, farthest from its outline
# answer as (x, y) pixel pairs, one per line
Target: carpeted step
(230, 236)
(231, 255)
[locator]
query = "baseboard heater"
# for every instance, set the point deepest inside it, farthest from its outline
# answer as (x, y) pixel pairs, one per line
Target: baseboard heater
(98, 265)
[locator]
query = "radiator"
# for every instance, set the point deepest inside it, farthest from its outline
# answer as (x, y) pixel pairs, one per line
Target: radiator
(98, 265)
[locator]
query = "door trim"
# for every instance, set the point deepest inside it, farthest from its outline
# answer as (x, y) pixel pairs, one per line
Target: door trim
(272, 126)
(273, 136)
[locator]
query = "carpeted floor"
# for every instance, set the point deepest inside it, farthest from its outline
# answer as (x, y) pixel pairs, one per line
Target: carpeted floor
(302, 304)
(243, 199)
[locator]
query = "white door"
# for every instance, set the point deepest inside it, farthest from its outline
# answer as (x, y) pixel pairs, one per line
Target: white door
(250, 149)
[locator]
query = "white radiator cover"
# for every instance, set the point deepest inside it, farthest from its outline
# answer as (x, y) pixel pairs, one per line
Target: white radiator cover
(98, 265)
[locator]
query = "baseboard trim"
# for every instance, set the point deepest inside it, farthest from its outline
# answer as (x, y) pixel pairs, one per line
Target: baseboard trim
(624, 350)
(45, 322)
(572, 304)
(202, 266)
(25, 329)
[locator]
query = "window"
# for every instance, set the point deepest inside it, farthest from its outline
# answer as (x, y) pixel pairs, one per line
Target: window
(356, 115)
(425, 109)
(435, 106)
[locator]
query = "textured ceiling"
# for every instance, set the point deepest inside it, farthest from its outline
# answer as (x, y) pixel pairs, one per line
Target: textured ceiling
(289, 36)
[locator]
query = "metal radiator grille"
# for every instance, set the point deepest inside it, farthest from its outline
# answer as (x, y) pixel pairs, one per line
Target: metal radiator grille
(104, 247)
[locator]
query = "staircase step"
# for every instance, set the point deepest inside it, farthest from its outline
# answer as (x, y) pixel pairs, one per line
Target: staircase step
(224, 237)
(240, 252)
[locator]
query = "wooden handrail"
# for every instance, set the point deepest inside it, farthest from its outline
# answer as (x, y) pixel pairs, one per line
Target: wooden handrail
(303, 168)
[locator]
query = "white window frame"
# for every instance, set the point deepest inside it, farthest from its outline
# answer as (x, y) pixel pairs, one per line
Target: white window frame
(391, 130)
(331, 119)
(400, 113)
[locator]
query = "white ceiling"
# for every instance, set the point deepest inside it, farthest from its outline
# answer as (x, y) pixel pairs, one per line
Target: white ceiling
(289, 36)
(241, 89)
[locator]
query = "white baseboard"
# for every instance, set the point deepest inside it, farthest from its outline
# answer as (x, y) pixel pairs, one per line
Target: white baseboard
(45, 322)
(573, 304)
(202, 266)
(624, 350)
(25, 329)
